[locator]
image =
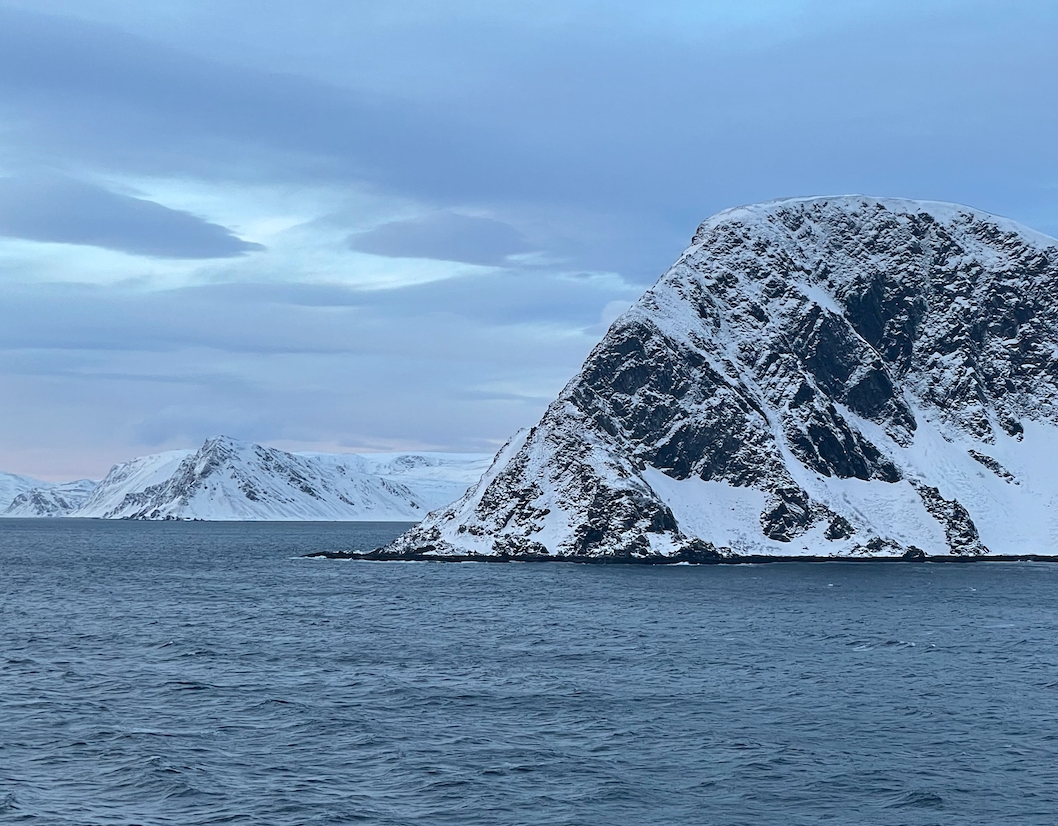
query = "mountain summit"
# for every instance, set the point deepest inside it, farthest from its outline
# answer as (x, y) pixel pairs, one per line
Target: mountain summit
(227, 479)
(845, 376)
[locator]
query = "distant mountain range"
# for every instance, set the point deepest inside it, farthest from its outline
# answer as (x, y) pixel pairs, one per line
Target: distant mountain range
(227, 479)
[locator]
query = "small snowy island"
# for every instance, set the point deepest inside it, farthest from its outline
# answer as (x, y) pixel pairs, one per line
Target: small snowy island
(845, 377)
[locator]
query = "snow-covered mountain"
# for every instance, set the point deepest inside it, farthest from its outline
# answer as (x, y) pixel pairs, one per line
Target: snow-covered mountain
(48, 498)
(130, 479)
(826, 376)
(231, 480)
(11, 485)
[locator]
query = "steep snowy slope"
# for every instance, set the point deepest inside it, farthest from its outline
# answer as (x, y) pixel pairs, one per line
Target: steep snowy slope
(50, 499)
(231, 480)
(436, 479)
(130, 478)
(826, 376)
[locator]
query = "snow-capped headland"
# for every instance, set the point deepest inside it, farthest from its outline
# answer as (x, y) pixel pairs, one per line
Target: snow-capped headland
(845, 377)
(227, 479)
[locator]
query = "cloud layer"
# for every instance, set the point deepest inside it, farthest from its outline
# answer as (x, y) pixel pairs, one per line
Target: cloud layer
(444, 236)
(386, 223)
(63, 210)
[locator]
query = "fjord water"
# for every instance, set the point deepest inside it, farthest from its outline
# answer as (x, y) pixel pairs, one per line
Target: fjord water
(202, 673)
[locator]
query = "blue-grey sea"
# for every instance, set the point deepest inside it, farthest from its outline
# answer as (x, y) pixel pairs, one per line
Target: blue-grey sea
(193, 673)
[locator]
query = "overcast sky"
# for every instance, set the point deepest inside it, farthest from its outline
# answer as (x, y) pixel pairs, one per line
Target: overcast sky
(359, 225)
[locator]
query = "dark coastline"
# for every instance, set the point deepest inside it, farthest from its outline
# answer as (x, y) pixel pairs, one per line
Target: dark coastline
(754, 559)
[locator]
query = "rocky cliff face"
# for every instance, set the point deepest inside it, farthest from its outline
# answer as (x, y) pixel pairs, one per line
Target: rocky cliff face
(829, 376)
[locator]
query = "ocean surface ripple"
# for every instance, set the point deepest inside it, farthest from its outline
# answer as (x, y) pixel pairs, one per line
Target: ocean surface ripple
(192, 673)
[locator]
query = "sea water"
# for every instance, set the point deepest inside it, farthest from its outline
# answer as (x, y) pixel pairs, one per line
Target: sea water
(192, 673)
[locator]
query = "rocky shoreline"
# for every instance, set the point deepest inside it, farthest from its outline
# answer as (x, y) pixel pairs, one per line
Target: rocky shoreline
(382, 555)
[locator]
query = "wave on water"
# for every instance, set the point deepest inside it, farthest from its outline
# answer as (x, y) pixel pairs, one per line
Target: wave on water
(199, 675)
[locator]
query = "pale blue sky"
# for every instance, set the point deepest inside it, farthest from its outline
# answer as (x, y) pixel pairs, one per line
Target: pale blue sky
(385, 225)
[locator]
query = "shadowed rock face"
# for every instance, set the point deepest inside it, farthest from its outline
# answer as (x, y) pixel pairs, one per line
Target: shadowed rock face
(794, 345)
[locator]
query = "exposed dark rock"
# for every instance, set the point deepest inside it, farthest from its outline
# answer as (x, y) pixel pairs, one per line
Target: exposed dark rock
(993, 466)
(959, 529)
(877, 546)
(789, 514)
(839, 528)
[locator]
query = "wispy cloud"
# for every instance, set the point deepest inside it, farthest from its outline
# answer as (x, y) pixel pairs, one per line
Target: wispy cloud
(447, 236)
(53, 208)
